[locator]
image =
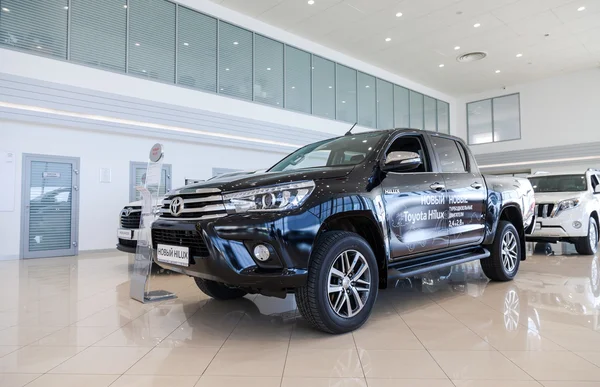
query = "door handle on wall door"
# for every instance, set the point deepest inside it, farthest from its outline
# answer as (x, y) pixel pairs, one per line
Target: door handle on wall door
(437, 186)
(477, 185)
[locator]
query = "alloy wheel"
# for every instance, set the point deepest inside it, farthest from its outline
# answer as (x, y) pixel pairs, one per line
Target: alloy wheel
(349, 283)
(593, 235)
(509, 252)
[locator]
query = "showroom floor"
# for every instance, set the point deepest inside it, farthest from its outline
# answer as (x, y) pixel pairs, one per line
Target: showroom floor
(69, 322)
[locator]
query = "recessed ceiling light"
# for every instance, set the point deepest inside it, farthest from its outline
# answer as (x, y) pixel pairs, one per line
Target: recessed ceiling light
(343, 101)
(125, 6)
(457, 47)
(581, 9)
(235, 43)
(222, 89)
(268, 69)
(137, 44)
(497, 71)
(186, 44)
(331, 87)
(227, 69)
(311, 2)
(293, 87)
(143, 71)
(441, 65)
(5, 9)
(388, 39)
(477, 25)
(519, 55)
(65, 7)
(399, 14)
(39, 47)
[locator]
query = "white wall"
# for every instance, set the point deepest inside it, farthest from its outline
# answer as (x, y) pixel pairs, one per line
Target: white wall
(554, 111)
(100, 203)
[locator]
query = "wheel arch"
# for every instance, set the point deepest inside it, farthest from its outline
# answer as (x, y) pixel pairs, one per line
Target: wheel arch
(511, 213)
(364, 224)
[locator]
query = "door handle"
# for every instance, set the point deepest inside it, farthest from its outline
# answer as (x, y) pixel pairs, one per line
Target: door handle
(477, 185)
(437, 186)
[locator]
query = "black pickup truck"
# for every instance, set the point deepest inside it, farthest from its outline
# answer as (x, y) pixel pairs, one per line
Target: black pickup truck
(331, 219)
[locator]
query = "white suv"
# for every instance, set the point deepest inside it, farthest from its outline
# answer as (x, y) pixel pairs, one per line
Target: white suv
(567, 209)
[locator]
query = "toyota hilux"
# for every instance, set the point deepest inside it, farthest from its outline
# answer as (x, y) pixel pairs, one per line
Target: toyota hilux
(328, 222)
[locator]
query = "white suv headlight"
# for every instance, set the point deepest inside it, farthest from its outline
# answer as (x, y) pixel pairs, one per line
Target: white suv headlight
(567, 204)
(275, 198)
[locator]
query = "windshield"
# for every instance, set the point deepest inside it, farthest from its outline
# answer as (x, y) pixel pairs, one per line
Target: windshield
(561, 183)
(347, 150)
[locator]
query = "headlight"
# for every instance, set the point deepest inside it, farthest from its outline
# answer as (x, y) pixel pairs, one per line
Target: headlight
(567, 204)
(275, 198)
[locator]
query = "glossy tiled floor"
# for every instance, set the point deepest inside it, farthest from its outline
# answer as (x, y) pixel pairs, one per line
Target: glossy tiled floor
(69, 322)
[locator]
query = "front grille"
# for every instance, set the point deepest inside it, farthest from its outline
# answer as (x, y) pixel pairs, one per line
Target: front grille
(185, 238)
(130, 217)
(127, 243)
(200, 203)
(544, 210)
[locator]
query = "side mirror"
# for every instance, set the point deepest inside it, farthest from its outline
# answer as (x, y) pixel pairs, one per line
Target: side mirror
(402, 161)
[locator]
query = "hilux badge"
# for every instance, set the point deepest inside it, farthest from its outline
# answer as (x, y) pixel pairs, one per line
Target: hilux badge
(176, 206)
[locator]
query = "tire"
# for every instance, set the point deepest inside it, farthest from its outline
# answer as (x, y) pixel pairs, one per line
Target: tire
(218, 290)
(588, 245)
(348, 254)
(495, 266)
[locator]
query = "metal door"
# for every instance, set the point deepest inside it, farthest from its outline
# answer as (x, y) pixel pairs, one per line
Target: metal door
(50, 206)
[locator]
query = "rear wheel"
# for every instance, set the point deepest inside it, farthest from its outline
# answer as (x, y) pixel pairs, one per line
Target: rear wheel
(503, 263)
(588, 245)
(218, 290)
(342, 283)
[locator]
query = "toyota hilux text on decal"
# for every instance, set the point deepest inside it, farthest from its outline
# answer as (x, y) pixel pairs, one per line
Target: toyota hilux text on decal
(328, 221)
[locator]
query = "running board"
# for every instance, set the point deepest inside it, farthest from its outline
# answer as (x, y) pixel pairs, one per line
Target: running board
(410, 267)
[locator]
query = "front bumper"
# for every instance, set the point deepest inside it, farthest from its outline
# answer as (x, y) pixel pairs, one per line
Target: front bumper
(561, 227)
(127, 240)
(221, 249)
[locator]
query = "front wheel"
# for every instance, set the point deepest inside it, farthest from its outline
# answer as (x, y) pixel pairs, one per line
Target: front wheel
(588, 245)
(342, 283)
(503, 263)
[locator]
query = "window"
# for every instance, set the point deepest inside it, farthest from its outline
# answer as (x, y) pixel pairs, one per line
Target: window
(268, 71)
(137, 177)
(411, 144)
(323, 87)
(367, 101)
(152, 39)
(345, 150)
(449, 155)
(416, 110)
(385, 105)
(235, 61)
(494, 119)
(443, 117)
(401, 107)
(99, 33)
(346, 93)
(430, 114)
(39, 26)
(559, 183)
(297, 80)
(196, 50)
(595, 182)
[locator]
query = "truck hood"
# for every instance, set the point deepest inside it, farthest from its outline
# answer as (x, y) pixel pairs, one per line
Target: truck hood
(555, 197)
(238, 183)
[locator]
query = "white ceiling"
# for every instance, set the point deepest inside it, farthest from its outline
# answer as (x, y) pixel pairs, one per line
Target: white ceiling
(425, 36)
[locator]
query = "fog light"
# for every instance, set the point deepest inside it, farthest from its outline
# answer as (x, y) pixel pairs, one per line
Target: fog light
(261, 252)
(577, 224)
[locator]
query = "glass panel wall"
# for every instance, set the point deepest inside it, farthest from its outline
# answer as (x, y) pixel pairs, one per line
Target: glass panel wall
(495, 119)
(385, 105)
(297, 80)
(268, 71)
(416, 110)
(443, 117)
(430, 114)
(346, 94)
(367, 100)
(401, 107)
(323, 87)
(235, 61)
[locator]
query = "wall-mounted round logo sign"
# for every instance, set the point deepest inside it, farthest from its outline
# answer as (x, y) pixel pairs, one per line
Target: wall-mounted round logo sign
(156, 153)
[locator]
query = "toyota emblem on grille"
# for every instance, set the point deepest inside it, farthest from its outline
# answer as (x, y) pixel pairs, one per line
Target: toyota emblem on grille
(126, 212)
(176, 206)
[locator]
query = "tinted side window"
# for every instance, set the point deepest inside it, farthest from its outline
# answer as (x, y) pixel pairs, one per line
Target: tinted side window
(451, 159)
(595, 182)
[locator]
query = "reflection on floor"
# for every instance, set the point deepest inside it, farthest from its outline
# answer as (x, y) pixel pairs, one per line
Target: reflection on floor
(70, 322)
